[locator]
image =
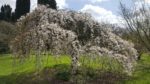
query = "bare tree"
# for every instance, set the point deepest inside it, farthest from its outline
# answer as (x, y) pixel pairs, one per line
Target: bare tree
(138, 22)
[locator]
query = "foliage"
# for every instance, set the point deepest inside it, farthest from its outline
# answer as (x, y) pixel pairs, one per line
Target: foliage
(7, 33)
(4, 47)
(22, 8)
(5, 13)
(51, 3)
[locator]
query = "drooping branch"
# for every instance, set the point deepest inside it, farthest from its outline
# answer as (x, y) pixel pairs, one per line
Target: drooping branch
(73, 33)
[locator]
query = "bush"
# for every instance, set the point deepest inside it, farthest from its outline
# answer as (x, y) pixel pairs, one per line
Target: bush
(7, 32)
(3, 47)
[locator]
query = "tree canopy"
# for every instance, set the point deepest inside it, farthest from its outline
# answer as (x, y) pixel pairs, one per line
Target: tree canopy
(50, 3)
(5, 13)
(22, 8)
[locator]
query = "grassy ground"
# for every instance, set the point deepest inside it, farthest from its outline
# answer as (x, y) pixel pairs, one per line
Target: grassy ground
(57, 70)
(142, 72)
(12, 71)
(10, 66)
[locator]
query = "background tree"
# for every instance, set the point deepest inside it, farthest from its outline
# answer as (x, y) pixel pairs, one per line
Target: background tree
(22, 8)
(51, 3)
(138, 23)
(0, 16)
(5, 13)
(2, 13)
(13, 16)
(7, 33)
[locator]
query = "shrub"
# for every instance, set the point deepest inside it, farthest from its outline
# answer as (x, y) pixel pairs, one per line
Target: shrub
(7, 32)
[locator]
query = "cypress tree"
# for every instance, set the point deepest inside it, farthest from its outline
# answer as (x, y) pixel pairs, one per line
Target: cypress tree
(22, 8)
(5, 13)
(51, 3)
(2, 8)
(2, 13)
(13, 16)
(0, 16)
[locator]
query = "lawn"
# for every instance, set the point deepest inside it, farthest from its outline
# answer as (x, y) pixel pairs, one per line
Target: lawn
(15, 71)
(8, 65)
(142, 72)
(11, 69)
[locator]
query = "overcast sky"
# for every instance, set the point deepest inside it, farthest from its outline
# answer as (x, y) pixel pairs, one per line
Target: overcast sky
(101, 10)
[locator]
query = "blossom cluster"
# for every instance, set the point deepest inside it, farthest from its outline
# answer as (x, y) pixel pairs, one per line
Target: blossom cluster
(71, 32)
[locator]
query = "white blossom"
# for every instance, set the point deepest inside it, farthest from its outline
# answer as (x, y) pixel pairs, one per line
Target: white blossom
(74, 33)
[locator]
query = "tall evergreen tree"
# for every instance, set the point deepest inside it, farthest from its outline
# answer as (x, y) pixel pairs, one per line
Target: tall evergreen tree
(0, 16)
(13, 16)
(6, 13)
(2, 13)
(22, 8)
(51, 3)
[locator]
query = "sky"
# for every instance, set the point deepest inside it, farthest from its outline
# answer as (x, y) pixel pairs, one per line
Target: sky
(101, 10)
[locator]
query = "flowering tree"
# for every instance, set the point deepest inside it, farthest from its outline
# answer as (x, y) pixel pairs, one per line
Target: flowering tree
(69, 32)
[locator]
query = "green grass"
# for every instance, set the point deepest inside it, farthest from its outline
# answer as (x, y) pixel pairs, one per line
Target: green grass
(142, 71)
(100, 62)
(8, 65)
(15, 71)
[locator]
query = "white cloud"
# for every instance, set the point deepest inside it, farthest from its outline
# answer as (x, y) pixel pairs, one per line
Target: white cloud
(101, 14)
(62, 4)
(96, 1)
(147, 1)
(33, 4)
(10, 2)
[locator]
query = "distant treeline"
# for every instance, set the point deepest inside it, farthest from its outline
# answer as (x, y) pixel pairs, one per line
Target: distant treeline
(22, 8)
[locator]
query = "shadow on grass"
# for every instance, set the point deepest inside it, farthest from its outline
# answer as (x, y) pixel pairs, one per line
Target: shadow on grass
(60, 74)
